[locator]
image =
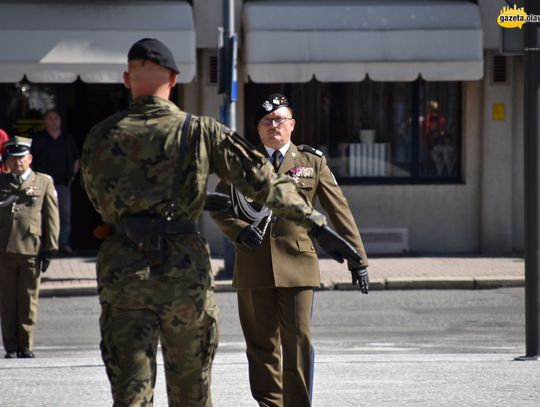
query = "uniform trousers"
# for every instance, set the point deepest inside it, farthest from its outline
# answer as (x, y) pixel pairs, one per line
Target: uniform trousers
(276, 322)
(64, 209)
(183, 318)
(19, 291)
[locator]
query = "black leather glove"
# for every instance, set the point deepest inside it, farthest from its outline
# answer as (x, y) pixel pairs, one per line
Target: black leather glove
(334, 245)
(217, 202)
(360, 276)
(44, 260)
(251, 237)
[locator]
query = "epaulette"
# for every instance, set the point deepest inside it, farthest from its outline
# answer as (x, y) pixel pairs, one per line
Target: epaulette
(309, 149)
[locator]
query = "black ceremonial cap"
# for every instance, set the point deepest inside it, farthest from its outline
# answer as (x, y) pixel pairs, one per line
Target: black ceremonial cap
(17, 146)
(273, 102)
(153, 50)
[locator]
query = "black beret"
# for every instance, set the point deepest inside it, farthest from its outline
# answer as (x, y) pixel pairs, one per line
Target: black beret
(17, 146)
(273, 102)
(153, 50)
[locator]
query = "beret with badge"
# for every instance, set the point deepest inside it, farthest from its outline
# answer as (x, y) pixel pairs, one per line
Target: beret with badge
(154, 50)
(273, 102)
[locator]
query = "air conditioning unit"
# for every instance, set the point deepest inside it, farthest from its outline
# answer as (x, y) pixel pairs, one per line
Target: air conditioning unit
(385, 240)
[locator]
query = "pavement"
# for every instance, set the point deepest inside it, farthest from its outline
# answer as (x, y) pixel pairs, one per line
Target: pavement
(343, 377)
(71, 276)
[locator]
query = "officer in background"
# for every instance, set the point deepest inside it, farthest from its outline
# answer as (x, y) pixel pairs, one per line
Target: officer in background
(275, 272)
(145, 170)
(29, 229)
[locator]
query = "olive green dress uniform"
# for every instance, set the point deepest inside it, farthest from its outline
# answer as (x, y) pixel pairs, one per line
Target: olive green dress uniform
(128, 165)
(275, 282)
(27, 226)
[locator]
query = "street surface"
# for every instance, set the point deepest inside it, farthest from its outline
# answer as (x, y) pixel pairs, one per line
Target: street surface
(389, 348)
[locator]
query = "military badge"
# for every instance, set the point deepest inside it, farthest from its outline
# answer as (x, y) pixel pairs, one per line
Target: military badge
(32, 193)
(302, 172)
(267, 106)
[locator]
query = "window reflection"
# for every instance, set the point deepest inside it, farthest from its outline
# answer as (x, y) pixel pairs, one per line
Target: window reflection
(374, 130)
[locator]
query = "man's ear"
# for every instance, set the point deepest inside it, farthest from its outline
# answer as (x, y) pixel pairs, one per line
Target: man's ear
(293, 123)
(127, 81)
(172, 80)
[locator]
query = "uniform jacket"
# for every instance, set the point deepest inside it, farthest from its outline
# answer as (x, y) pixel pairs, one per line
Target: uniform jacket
(128, 165)
(32, 222)
(287, 256)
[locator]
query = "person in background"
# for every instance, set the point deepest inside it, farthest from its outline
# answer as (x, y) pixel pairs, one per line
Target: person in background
(55, 153)
(3, 138)
(276, 270)
(29, 228)
(145, 170)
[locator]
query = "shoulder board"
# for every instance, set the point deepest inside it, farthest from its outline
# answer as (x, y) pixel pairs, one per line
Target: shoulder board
(309, 149)
(43, 175)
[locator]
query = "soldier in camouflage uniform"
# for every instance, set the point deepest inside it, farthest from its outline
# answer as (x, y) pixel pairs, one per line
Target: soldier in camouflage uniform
(128, 167)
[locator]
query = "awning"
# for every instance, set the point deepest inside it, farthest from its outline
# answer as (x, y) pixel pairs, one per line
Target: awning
(52, 42)
(343, 41)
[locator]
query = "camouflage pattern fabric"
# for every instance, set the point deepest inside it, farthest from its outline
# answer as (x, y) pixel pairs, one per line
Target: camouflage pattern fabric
(183, 317)
(127, 167)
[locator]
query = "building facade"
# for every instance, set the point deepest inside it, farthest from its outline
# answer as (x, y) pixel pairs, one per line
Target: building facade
(419, 115)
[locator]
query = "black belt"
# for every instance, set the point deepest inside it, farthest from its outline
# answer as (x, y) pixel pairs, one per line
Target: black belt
(171, 227)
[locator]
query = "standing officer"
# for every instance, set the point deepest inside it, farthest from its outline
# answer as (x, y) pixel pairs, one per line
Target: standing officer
(29, 228)
(145, 170)
(275, 272)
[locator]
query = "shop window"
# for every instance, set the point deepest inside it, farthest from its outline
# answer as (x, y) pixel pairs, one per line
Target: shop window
(375, 132)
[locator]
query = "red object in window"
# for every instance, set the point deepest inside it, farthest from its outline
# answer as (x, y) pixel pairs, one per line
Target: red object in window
(435, 122)
(3, 138)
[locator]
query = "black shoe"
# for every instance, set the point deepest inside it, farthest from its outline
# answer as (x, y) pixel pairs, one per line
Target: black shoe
(27, 354)
(66, 251)
(10, 355)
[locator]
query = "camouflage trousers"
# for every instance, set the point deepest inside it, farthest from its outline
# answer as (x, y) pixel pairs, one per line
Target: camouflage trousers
(180, 315)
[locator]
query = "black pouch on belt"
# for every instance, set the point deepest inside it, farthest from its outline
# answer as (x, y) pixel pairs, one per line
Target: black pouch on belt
(146, 232)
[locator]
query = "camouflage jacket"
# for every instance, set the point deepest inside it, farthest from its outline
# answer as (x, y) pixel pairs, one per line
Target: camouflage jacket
(128, 164)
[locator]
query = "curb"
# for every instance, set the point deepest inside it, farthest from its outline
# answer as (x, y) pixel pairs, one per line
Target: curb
(419, 283)
(435, 283)
(82, 290)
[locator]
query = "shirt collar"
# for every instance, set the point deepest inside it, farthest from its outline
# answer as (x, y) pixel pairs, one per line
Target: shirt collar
(26, 174)
(283, 150)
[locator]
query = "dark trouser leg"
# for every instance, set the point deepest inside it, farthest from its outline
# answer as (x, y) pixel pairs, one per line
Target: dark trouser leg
(128, 348)
(259, 319)
(64, 209)
(295, 315)
(8, 298)
(27, 300)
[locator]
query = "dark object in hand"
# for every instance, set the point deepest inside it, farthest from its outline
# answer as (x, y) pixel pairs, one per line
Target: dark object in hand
(44, 260)
(360, 276)
(250, 237)
(217, 202)
(334, 245)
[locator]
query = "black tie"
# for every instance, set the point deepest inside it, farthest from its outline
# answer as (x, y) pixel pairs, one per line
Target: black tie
(276, 159)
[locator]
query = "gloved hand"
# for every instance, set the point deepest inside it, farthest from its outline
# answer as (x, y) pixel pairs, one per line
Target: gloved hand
(44, 260)
(217, 202)
(360, 275)
(251, 237)
(334, 245)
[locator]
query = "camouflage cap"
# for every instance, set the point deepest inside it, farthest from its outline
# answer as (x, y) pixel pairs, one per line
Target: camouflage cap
(17, 146)
(153, 50)
(273, 102)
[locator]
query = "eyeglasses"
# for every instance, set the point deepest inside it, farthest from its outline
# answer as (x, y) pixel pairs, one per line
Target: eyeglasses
(275, 121)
